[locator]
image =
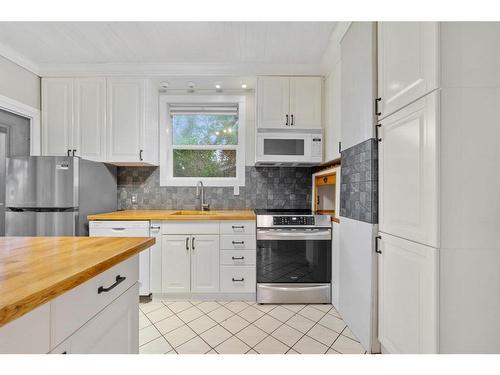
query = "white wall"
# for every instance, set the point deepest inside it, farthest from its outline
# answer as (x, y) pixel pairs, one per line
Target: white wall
(19, 84)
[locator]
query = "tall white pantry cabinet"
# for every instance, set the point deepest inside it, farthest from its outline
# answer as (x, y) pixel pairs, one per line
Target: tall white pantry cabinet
(439, 243)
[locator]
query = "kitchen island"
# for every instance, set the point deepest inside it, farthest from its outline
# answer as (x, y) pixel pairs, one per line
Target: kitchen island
(69, 294)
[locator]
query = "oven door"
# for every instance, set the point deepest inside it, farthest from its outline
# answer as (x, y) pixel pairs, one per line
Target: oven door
(294, 256)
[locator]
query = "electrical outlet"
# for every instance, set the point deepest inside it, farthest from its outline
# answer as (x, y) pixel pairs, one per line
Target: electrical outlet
(134, 198)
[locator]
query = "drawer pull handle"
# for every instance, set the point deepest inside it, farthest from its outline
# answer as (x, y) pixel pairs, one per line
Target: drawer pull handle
(119, 279)
(118, 228)
(238, 226)
(242, 279)
(238, 258)
(238, 242)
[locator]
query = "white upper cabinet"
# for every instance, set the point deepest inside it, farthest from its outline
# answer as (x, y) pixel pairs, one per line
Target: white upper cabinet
(408, 295)
(289, 102)
(407, 63)
(126, 118)
(108, 120)
(305, 102)
(358, 82)
(408, 170)
(332, 114)
(89, 130)
(57, 116)
(273, 102)
(204, 263)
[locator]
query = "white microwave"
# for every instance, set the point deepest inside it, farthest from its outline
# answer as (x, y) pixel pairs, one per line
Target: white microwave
(289, 148)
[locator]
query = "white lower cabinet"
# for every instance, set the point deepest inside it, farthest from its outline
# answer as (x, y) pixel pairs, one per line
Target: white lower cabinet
(29, 334)
(208, 257)
(112, 331)
(408, 309)
(190, 263)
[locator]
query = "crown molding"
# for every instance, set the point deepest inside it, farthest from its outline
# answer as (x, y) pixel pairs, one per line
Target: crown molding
(332, 52)
(177, 69)
(18, 59)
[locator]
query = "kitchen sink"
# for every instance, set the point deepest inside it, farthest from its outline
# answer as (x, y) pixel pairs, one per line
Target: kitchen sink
(194, 212)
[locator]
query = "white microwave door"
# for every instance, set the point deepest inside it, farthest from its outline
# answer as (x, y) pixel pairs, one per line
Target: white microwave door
(291, 148)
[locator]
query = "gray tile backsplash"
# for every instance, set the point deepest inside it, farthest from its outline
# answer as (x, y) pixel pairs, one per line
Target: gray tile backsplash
(359, 182)
(265, 187)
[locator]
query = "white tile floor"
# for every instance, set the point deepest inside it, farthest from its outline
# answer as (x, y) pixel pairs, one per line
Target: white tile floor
(236, 327)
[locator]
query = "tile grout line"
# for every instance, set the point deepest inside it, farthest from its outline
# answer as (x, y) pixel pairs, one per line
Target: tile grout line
(252, 305)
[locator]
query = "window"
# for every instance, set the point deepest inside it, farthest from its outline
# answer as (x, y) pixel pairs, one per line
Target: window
(203, 140)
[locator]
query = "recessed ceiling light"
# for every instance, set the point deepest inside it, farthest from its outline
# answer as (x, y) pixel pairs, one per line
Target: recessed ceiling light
(243, 85)
(218, 86)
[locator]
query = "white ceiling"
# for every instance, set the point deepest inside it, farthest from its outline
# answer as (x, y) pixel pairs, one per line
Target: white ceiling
(50, 46)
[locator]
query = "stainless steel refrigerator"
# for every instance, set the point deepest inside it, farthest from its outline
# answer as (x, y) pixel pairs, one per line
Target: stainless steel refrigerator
(52, 195)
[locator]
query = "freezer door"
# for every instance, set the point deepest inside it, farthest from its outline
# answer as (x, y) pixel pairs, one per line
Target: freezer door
(42, 182)
(40, 223)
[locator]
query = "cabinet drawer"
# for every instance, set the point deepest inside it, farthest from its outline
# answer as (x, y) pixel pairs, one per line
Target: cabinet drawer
(230, 227)
(237, 279)
(237, 257)
(76, 307)
(190, 227)
(237, 242)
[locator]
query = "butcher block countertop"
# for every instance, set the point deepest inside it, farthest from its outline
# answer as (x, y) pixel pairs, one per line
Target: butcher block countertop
(34, 270)
(175, 215)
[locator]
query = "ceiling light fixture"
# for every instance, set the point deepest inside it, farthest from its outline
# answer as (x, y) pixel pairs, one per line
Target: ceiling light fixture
(244, 85)
(218, 86)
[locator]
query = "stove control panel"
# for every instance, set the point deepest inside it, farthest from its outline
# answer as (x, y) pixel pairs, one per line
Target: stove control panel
(293, 220)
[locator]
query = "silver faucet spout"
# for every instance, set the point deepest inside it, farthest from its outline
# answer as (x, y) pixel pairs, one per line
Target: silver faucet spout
(200, 191)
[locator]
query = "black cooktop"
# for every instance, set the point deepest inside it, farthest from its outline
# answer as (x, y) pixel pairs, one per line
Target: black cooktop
(283, 211)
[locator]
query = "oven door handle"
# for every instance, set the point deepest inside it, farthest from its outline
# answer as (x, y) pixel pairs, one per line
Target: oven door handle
(317, 234)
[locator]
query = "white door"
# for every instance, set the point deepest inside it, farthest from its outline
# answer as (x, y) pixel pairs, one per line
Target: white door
(407, 296)
(273, 102)
(176, 263)
(155, 257)
(126, 119)
(90, 118)
(115, 330)
(57, 116)
(305, 102)
(407, 63)
(204, 263)
(408, 167)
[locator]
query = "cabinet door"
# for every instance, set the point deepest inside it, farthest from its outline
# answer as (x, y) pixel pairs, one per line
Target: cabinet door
(407, 296)
(155, 257)
(407, 63)
(358, 83)
(273, 102)
(408, 167)
(125, 119)
(305, 102)
(176, 263)
(90, 118)
(57, 116)
(204, 263)
(332, 114)
(115, 330)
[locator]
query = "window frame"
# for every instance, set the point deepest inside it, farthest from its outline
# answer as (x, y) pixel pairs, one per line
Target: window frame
(167, 148)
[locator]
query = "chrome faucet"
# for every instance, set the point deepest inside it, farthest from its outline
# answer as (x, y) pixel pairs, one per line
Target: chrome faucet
(199, 188)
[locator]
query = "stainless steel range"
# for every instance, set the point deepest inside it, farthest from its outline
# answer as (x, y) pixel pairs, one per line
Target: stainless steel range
(294, 257)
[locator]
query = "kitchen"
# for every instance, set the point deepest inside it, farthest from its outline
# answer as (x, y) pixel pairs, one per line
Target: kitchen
(204, 198)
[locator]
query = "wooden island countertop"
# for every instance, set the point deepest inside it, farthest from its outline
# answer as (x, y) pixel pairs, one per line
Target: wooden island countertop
(175, 215)
(35, 270)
